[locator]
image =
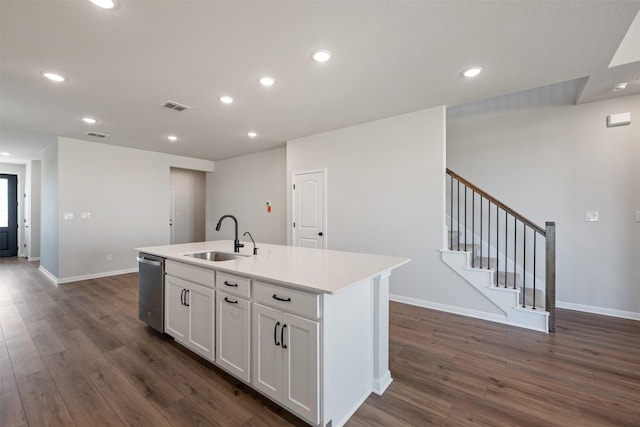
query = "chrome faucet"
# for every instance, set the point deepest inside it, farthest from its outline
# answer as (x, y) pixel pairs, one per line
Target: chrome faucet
(236, 243)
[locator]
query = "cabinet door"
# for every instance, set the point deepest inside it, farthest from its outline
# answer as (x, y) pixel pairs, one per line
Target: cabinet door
(233, 326)
(176, 313)
(300, 367)
(201, 317)
(266, 351)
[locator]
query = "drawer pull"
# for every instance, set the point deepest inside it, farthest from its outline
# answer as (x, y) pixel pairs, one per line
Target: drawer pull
(229, 301)
(233, 285)
(276, 297)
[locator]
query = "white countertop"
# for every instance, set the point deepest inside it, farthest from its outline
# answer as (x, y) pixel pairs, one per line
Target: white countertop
(318, 270)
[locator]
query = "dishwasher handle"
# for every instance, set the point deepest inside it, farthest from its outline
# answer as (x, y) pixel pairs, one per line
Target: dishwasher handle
(143, 260)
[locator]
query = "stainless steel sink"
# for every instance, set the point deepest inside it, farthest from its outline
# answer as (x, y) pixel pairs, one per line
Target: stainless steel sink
(216, 256)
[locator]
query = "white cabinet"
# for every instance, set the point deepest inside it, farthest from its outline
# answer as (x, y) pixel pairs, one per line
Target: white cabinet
(189, 315)
(233, 334)
(285, 353)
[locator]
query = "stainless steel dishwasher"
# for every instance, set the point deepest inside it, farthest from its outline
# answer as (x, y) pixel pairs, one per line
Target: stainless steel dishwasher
(151, 290)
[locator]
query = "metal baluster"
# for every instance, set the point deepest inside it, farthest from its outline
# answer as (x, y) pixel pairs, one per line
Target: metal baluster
(458, 200)
(535, 237)
(515, 250)
(524, 263)
(465, 217)
(473, 227)
(506, 247)
(497, 243)
(451, 216)
(489, 234)
(481, 230)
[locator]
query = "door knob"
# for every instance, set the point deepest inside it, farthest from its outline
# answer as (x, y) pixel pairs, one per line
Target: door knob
(320, 233)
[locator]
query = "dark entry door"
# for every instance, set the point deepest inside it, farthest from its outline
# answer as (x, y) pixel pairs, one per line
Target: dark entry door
(8, 215)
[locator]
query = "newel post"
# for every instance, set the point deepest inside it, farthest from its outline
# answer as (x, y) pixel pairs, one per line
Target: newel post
(550, 274)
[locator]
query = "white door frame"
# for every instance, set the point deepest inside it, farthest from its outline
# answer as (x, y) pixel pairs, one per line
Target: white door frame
(293, 204)
(172, 212)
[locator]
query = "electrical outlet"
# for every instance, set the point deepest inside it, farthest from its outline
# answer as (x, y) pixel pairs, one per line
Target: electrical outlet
(592, 216)
(109, 257)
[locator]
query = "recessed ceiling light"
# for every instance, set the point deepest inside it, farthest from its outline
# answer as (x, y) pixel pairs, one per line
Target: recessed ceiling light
(225, 99)
(105, 4)
(473, 71)
(322, 55)
(53, 76)
(252, 134)
(89, 120)
(4, 153)
(618, 87)
(172, 138)
(267, 81)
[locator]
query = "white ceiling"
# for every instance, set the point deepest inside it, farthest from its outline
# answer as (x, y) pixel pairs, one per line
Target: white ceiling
(390, 57)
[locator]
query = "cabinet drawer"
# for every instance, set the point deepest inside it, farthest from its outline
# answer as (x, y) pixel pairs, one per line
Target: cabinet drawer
(204, 276)
(303, 303)
(232, 284)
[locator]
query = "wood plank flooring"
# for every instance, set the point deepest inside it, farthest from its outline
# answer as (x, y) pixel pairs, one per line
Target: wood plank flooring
(77, 355)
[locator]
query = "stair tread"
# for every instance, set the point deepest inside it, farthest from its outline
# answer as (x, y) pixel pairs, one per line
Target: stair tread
(468, 247)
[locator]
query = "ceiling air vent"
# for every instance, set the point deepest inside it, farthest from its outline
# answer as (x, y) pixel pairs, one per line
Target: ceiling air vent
(97, 135)
(171, 105)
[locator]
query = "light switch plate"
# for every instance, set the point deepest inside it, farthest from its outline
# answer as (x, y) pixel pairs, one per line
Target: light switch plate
(68, 215)
(86, 215)
(592, 216)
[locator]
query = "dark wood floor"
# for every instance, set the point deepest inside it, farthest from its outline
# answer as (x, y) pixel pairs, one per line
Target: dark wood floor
(76, 354)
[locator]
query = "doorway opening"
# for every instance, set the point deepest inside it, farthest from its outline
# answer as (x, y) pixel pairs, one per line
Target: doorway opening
(187, 206)
(8, 215)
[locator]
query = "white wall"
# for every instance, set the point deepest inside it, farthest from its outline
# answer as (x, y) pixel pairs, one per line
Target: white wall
(20, 171)
(241, 187)
(189, 205)
(124, 191)
(49, 215)
(552, 160)
(35, 208)
(385, 195)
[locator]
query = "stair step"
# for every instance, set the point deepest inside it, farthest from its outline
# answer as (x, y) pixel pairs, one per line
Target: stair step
(485, 262)
(528, 298)
(466, 247)
(509, 279)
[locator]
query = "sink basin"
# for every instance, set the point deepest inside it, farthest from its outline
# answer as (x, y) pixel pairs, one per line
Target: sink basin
(216, 256)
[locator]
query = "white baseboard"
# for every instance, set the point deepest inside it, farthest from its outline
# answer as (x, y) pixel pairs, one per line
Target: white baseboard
(381, 384)
(599, 310)
(48, 275)
(59, 281)
(37, 258)
(450, 309)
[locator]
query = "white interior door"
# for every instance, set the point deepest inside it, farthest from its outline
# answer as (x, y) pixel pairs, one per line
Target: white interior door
(309, 210)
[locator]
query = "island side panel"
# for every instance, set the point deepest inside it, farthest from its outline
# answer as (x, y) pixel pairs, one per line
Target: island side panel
(381, 374)
(347, 352)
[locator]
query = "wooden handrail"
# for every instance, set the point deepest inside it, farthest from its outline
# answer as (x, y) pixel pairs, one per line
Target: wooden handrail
(497, 202)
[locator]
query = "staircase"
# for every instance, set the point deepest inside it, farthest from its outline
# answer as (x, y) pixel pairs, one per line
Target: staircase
(499, 252)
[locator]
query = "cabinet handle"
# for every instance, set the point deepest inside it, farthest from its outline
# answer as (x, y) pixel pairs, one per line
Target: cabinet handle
(282, 336)
(275, 334)
(281, 299)
(229, 301)
(186, 297)
(233, 285)
(182, 296)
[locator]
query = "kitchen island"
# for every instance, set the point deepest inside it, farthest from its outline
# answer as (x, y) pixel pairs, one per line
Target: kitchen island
(306, 327)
